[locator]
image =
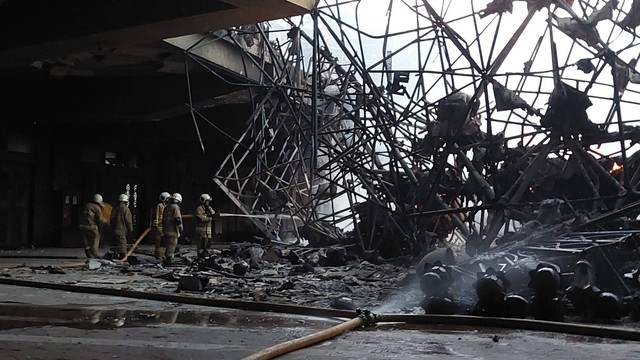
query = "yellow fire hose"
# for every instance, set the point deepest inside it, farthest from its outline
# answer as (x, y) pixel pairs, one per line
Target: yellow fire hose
(363, 318)
(139, 239)
(296, 344)
(135, 245)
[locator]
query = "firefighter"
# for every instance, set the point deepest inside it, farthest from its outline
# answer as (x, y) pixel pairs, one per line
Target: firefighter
(172, 227)
(90, 224)
(121, 224)
(203, 217)
(156, 224)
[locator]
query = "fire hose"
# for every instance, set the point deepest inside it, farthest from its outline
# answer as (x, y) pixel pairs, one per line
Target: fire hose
(372, 319)
(363, 317)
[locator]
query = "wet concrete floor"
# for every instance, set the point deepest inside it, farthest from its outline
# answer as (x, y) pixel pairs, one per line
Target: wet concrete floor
(50, 324)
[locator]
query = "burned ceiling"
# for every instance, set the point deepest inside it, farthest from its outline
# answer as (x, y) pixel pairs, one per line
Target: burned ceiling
(76, 57)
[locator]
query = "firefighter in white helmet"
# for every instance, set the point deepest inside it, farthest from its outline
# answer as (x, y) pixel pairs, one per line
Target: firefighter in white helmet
(172, 226)
(90, 223)
(156, 224)
(121, 224)
(203, 217)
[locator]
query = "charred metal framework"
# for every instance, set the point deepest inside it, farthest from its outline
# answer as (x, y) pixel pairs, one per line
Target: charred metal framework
(422, 121)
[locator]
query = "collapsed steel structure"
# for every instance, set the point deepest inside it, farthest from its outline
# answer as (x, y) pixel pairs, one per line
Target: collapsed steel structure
(456, 123)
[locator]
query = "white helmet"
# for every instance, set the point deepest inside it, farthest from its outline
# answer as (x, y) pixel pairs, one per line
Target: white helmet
(97, 198)
(177, 197)
(164, 196)
(205, 197)
(123, 198)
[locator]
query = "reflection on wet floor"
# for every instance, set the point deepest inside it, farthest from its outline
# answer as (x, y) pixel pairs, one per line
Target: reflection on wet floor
(14, 316)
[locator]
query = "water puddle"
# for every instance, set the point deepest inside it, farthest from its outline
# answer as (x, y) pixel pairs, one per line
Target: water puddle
(14, 316)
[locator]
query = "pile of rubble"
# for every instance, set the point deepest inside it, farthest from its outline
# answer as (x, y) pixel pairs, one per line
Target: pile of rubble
(321, 277)
(325, 277)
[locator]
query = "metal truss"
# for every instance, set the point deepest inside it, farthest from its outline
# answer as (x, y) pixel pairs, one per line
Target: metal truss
(427, 121)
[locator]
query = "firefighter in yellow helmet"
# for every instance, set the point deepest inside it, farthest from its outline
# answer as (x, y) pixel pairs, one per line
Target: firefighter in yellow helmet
(121, 224)
(90, 223)
(156, 224)
(203, 218)
(172, 227)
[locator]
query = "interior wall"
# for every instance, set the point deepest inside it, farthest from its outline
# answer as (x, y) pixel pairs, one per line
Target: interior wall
(52, 162)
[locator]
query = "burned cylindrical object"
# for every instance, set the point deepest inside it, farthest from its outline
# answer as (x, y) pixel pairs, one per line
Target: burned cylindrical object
(516, 306)
(583, 274)
(491, 288)
(436, 280)
(491, 285)
(435, 283)
(441, 305)
(583, 293)
(431, 283)
(609, 307)
(583, 299)
(545, 282)
(550, 309)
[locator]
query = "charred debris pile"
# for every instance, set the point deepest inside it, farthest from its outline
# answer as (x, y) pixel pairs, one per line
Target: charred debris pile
(328, 277)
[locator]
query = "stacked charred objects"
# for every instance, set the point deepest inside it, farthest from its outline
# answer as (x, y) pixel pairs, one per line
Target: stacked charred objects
(591, 276)
(577, 253)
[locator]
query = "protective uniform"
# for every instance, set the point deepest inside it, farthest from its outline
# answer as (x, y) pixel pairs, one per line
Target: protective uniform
(203, 216)
(156, 224)
(121, 224)
(172, 226)
(90, 223)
